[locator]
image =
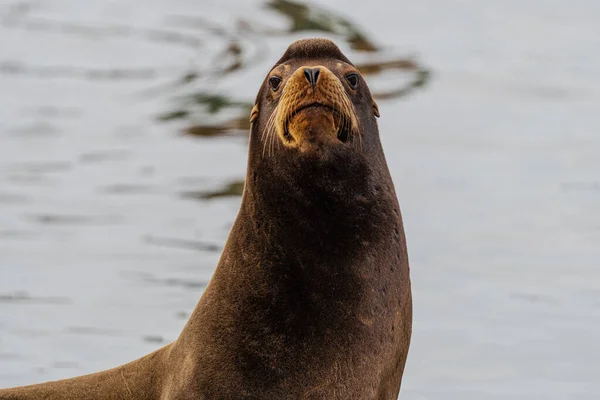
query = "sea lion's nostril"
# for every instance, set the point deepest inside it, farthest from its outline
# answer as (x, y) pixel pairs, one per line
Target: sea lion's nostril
(312, 75)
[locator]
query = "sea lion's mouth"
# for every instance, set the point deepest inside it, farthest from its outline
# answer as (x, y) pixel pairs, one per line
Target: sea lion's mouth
(341, 121)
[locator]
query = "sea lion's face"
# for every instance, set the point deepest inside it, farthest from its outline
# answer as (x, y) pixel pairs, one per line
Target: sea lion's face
(314, 101)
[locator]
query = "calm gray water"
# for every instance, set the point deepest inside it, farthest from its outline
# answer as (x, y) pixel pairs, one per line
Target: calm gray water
(107, 238)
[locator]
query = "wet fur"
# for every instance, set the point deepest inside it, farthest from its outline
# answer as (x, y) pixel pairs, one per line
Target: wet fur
(311, 298)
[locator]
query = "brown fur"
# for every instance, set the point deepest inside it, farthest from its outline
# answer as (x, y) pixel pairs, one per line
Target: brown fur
(311, 298)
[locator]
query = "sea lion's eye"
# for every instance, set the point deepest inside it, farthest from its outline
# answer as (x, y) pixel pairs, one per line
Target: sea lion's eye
(352, 80)
(275, 82)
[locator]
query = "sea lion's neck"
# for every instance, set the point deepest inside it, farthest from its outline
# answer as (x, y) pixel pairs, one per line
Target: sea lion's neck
(319, 214)
(313, 263)
(308, 256)
(311, 225)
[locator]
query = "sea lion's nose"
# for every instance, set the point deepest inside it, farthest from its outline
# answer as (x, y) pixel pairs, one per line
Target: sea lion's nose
(312, 74)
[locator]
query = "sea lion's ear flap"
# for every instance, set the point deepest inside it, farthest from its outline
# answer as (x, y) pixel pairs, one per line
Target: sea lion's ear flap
(254, 113)
(375, 109)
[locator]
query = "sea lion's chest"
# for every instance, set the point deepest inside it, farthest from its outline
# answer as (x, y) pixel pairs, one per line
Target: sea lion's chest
(291, 342)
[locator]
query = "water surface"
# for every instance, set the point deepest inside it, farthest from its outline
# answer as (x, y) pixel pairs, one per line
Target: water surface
(123, 146)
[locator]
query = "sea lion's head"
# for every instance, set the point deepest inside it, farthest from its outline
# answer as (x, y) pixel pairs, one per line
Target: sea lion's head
(313, 101)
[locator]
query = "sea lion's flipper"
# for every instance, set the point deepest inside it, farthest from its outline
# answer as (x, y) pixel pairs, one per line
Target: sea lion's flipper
(135, 380)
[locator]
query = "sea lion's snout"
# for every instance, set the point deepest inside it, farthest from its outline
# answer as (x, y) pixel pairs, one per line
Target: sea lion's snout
(313, 109)
(312, 75)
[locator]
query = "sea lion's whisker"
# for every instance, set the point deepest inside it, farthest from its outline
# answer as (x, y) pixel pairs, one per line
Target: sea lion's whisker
(272, 137)
(265, 134)
(268, 131)
(345, 131)
(273, 132)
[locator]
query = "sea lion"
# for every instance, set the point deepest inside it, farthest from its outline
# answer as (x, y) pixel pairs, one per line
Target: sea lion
(311, 298)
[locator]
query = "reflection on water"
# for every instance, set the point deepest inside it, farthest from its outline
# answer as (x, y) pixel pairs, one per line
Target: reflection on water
(23, 297)
(234, 188)
(302, 17)
(181, 243)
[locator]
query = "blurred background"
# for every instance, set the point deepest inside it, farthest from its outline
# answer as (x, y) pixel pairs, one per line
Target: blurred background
(123, 138)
